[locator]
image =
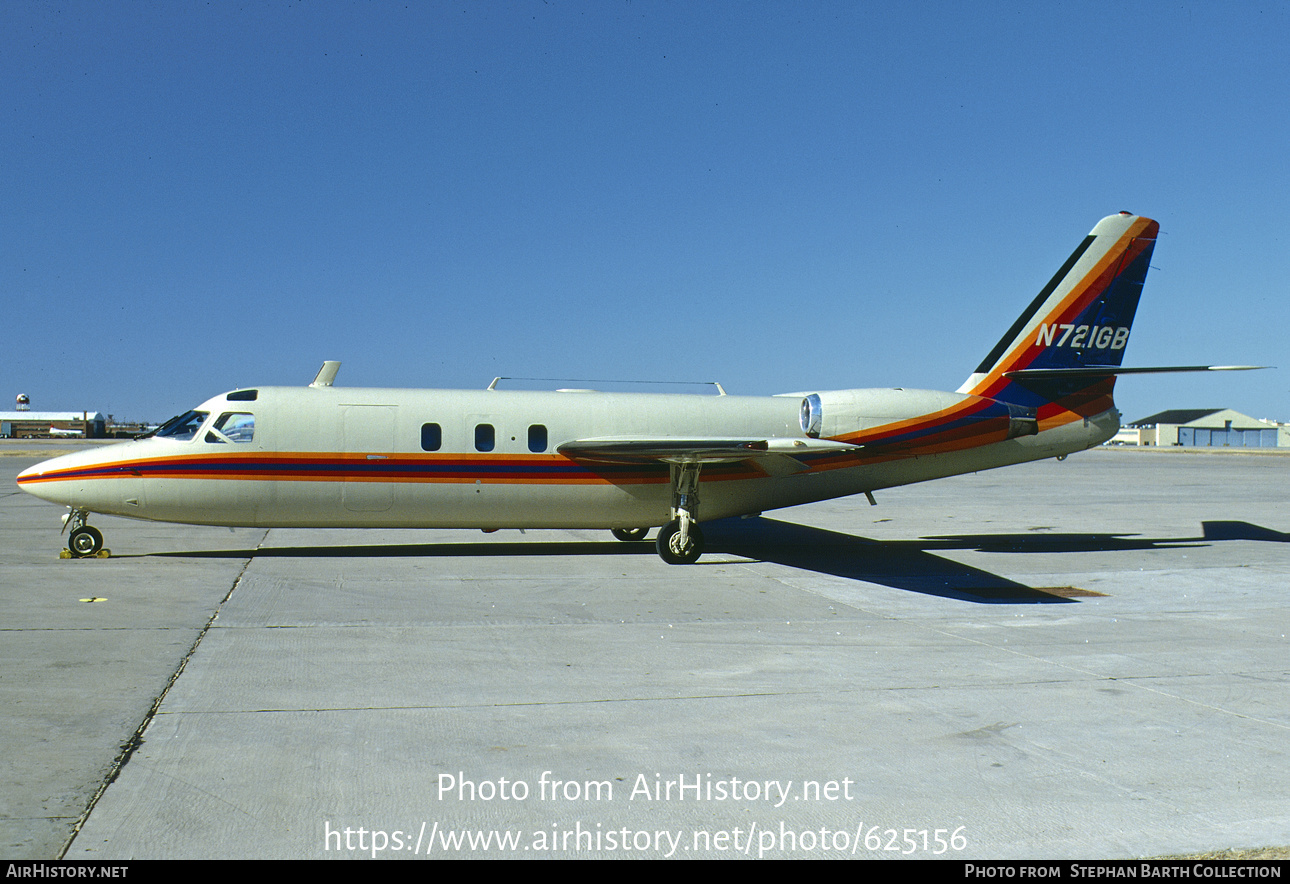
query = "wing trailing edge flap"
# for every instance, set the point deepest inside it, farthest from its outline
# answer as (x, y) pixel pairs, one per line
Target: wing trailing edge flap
(775, 456)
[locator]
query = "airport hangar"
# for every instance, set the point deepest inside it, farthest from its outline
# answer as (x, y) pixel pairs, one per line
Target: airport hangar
(1204, 428)
(43, 424)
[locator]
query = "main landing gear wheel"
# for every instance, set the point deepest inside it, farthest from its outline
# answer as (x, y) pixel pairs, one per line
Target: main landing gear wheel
(672, 550)
(85, 541)
(629, 534)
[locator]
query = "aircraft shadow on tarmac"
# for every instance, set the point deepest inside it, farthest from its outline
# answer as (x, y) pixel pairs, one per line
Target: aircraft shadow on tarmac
(901, 564)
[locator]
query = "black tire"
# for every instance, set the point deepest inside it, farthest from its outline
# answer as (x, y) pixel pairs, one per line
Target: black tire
(630, 534)
(670, 549)
(85, 541)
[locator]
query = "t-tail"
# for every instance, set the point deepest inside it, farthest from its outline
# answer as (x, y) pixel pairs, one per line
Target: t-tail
(1060, 359)
(1062, 355)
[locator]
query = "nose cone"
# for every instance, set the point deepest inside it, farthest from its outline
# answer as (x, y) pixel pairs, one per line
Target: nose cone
(89, 479)
(31, 473)
(51, 480)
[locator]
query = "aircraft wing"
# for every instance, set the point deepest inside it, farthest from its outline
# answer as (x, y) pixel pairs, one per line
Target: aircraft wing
(702, 450)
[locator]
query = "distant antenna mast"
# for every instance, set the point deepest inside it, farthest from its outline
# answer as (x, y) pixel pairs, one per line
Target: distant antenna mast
(326, 375)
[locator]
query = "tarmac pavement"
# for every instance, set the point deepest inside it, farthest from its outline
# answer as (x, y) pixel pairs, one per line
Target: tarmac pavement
(1086, 659)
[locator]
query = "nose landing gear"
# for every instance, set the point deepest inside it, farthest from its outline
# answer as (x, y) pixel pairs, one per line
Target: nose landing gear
(83, 540)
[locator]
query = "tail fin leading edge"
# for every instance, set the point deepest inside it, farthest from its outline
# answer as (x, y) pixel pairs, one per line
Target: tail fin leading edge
(1067, 346)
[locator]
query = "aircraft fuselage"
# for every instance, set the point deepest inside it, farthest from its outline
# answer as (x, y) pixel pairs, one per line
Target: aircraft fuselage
(385, 458)
(325, 456)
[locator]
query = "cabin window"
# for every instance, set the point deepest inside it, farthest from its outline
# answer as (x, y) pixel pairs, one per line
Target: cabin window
(485, 437)
(242, 396)
(233, 426)
(431, 437)
(184, 427)
(537, 438)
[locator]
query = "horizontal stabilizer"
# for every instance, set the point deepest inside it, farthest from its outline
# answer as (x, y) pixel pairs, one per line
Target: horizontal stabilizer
(1106, 371)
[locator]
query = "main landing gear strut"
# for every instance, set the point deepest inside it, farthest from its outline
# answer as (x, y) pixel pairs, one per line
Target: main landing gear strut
(83, 540)
(680, 542)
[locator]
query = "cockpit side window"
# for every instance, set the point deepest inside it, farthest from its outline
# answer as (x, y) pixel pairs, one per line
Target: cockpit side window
(232, 426)
(184, 427)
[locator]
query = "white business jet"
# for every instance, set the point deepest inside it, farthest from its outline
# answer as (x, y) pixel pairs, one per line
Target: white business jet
(327, 456)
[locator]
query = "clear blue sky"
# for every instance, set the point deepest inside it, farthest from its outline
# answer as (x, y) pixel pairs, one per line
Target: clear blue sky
(780, 196)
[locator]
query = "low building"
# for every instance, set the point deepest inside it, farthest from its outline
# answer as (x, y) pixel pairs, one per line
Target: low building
(1205, 428)
(52, 424)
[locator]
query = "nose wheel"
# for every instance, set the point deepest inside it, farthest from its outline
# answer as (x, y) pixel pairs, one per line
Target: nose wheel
(83, 540)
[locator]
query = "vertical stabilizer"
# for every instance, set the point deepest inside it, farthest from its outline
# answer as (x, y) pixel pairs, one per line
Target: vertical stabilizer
(1080, 320)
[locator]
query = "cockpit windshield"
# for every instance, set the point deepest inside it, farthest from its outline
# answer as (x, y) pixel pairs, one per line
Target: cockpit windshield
(232, 426)
(183, 427)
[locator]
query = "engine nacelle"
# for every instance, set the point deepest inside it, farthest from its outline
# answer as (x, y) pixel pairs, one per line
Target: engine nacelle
(839, 412)
(812, 415)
